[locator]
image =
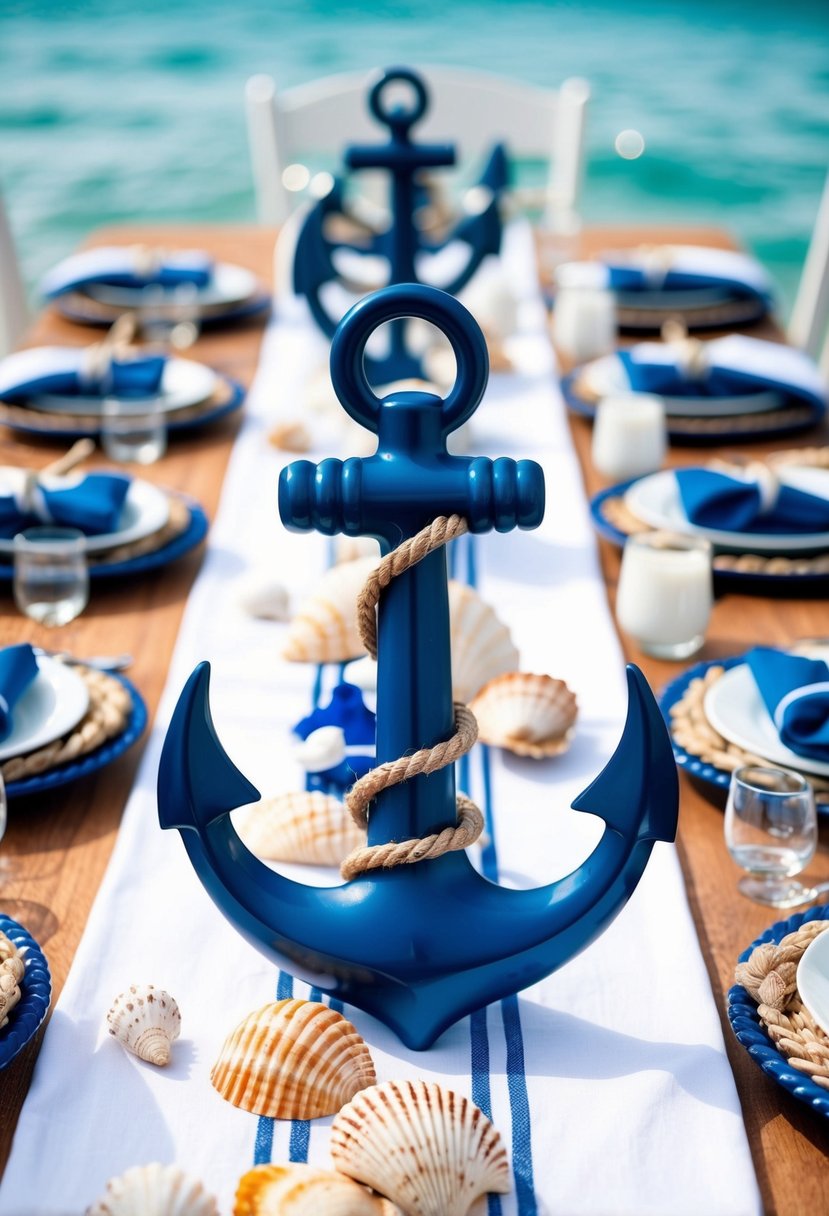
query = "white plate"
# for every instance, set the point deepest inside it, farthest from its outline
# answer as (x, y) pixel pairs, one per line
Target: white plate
(183, 383)
(146, 510)
(228, 285)
(51, 706)
(813, 979)
(656, 501)
(607, 375)
(736, 710)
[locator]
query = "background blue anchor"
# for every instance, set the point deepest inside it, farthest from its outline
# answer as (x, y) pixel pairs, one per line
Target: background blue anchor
(418, 946)
(403, 240)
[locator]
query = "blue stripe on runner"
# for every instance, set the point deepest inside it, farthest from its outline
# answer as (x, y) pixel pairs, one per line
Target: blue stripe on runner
(263, 1144)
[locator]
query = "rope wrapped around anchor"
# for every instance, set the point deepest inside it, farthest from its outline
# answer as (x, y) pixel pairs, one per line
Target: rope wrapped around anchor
(470, 821)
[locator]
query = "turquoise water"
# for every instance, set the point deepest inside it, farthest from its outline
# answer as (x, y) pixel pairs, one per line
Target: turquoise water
(114, 110)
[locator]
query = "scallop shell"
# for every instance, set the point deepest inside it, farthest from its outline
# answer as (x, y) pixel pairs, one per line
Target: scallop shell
(324, 629)
(145, 1020)
(301, 1190)
(309, 828)
(265, 598)
(293, 1060)
(431, 1151)
(531, 715)
(482, 647)
(154, 1190)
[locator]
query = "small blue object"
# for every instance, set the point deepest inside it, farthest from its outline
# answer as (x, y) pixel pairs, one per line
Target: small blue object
(36, 993)
(417, 946)
(735, 504)
(795, 691)
(403, 241)
(752, 1034)
(18, 668)
(67, 371)
(93, 505)
(347, 710)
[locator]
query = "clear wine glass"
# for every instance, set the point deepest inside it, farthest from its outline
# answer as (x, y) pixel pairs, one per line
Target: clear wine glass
(771, 832)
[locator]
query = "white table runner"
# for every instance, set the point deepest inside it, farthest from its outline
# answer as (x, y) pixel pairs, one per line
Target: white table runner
(608, 1080)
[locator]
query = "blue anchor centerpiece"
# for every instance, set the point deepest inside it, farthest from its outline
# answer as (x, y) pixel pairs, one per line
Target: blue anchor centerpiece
(403, 241)
(420, 945)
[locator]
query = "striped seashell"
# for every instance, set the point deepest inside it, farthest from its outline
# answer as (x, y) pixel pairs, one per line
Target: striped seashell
(154, 1190)
(324, 629)
(429, 1150)
(308, 828)
(482, 647)
(146, 1021)
(302, 1190)
(293, 1060)
(531, 715)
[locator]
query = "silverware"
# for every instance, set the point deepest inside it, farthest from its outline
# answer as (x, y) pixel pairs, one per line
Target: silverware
(101, 662)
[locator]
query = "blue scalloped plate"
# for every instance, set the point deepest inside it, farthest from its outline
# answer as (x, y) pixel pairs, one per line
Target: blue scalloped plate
(36, 994)
(84, 765)
(742, 1014)
(742, 582)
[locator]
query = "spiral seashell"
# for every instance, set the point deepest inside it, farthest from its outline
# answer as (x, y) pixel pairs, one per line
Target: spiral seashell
(154, 1190)
(301, 1190)
(482, 647)
(531, 715)
(429, 1150)
(309, 828)
(145, 1020)
(293, 1060)
(324, 629)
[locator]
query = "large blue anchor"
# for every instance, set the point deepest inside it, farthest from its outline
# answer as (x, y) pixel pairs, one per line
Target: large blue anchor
(417, 946)
(402, 241)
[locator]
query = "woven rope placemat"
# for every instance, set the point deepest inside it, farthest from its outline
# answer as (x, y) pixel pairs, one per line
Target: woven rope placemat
(770, 978)
(110, 706)
(177, 524)
(12, 974)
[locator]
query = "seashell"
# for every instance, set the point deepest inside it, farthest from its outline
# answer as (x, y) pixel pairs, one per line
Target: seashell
(324, 629)
(349, 548)
(293, 1060)
(482, 647)
(531, 715)
(292, 436)
(145, 1020)
(261, 596)
(309, 828)
(302, 1190)
(154, 1190)
(323, 749)
(431, 1151)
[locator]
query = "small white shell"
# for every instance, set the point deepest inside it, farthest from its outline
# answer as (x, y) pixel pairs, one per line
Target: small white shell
(324, 748)
(154, 1190)
(481, 643)
(531, 715)
(324, 629)
(292, 436)
(349, 548)
(310, 828)
(263, 597)
(146, 1021)
(431, 1151)
(302, 1190)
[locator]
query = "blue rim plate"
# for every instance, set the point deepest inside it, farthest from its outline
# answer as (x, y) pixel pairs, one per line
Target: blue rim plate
(90, 763)
(683, 438)
(743, 582)
(67, 306)
(81, 432)
(36, 993)
(750, 1032)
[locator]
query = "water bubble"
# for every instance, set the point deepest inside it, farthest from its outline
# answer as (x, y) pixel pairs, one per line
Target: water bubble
(630, 144)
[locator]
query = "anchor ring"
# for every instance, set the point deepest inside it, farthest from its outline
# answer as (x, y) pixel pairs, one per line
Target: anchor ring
(398, 117)
(397, 302)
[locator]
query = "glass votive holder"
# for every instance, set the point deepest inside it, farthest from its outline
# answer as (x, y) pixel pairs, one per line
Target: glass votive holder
(629, 435)
(584, 322)
(665, 593)
(51, 578)
(134, 431)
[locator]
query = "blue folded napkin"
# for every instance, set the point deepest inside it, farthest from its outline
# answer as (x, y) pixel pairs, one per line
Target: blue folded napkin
(92, 503)
(127, 266)
(726, 367)
(714, 500)
(795, 691)
(671, 268)
(18, 667)
(72, 371)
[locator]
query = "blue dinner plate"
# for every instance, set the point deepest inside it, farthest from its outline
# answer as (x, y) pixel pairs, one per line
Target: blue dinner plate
(71, 307)
(36, 993)
(90, 763)
(750, 1031)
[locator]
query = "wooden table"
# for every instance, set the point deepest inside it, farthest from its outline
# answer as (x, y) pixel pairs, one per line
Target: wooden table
(56, 847)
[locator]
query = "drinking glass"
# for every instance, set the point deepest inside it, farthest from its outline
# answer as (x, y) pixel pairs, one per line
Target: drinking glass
(51, 579)
(134, 430)
(584, 322)
(771, 832)
(665, 593)
(629, 435)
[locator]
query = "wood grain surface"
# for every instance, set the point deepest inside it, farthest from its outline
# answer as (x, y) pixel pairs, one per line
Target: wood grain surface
(56, 847)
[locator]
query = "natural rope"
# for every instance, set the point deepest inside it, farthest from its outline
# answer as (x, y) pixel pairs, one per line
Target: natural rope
(427, 760)
(12, 971)
(769, 977)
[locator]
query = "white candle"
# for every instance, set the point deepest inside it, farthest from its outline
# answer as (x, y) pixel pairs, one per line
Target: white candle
(584, 322)
(629, 435)
(665, 593)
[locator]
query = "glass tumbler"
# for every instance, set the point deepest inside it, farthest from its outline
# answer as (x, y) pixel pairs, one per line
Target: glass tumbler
(629, 435)
(665, 593)
(134, 431)
(51, 579)
(771, 832)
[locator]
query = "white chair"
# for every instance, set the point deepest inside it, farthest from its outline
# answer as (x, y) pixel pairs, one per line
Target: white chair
(14, 312)
(472, 109)
(808, 323)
